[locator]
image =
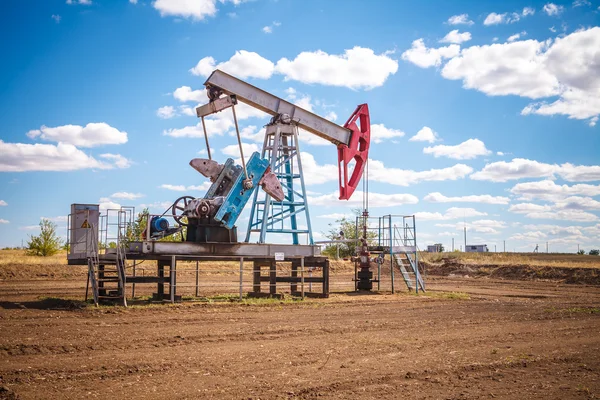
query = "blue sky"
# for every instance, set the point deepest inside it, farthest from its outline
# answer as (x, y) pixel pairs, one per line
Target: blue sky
(483, 114)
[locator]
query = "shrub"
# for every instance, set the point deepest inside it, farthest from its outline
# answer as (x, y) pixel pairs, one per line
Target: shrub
(46, 243)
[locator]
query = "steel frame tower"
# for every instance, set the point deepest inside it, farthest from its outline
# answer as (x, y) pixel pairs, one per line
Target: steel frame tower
(267, 215)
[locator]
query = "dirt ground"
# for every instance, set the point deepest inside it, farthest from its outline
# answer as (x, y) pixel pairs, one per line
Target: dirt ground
(472, 336)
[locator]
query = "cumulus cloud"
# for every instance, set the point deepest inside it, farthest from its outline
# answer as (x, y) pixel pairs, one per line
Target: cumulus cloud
(516, 36)
(3, 203)
(357, 68)
(566, 67)
(243, 64)
(426, 134)
(548, 190)
(379, 133)
(185, 94)
(483, 198)
(425, 57)
(182, 188)
(552, 9)
(461, 19)
(233, 150)
(91, 135)
(375, 200)
(126, 195)
(456, 37)
(192, 9)
(20, 157)
(466, 150)
(378, 172)
(118, 160)
(451, 213)
(520, 168)
(525, 208)
(166, 112)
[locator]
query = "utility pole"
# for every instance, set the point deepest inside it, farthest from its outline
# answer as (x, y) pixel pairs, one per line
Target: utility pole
(504, 245)
(546, 247)
(465, 238)
(452, 244)
(494, 248)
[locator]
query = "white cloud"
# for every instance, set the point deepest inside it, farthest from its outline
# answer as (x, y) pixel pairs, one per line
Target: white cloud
(462, 19)
(3, 203)
(566, 215)
(466, 150)
(213, 127)
(566, 66)
(243, 64)
(375, 200)
(531, 236)
(483, 198)
(331, 116)
(93, 134)
(553, 9)
(126, 195)
(267, 29)
(580, 3)
(489, 226)
(4, 221)
(379, 133)
(107, 204)
(234, 150)
(426, 134)
(451, 213)
(504, 69)
(516, 36)
(133, 1)
(548, 190)
(499, 153)
(335, 216)
(425, 57)
(577, 203)
(316, 174)
(378, 172)
(185, 94)
(525, 208)
(166, 112)
(118, 160)
(456, 37)
(357, 68)
(193, 9)
(182, 188)
(528, 11)
(56, 18)
(84, 2)
(19, 157)
(494, 19)
(519, 168)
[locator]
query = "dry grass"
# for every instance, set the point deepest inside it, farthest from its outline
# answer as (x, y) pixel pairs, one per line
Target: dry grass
(19, 257)
(540, 260)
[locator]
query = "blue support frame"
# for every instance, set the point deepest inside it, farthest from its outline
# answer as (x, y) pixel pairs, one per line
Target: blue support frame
(281, 147)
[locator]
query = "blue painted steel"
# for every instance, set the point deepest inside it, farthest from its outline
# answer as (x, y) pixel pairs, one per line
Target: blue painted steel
(236, 199)
(159, 224)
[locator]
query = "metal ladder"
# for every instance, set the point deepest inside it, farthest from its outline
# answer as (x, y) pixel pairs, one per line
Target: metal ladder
(407, 264)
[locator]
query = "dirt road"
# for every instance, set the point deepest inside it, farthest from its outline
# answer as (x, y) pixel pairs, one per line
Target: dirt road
(496, 339)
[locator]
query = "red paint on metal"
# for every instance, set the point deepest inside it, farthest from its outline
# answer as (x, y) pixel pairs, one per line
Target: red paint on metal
(357, 150)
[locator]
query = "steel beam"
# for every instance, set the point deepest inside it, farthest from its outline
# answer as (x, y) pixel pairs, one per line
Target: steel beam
(274, 105)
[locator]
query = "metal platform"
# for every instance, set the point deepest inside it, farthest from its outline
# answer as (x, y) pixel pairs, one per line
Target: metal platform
(154, 250)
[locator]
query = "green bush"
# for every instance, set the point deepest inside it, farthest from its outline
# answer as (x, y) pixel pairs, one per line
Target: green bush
(46, 243)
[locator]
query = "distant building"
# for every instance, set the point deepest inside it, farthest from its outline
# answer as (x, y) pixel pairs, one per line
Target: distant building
(436, 248)
(477, 248)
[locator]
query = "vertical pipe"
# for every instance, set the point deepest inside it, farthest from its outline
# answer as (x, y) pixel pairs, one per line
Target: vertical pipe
(172, 279)
(378, 276)
(391, 252)
(133, 284)
(239, 138)
(206, 138)
(417, 276)
(302, 276)
(197, 278)
(241, 277)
